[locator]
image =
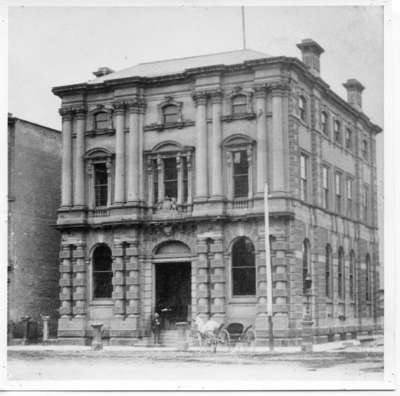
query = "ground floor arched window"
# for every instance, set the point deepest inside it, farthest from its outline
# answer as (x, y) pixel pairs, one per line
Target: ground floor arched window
(102, 272)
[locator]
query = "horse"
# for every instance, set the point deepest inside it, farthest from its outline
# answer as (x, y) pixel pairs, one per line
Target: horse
(206, 327)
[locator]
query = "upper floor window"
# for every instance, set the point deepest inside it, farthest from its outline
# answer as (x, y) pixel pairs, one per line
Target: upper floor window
(170, 114)
(243, 268)
(336, 132)
(349, 197)
(306, 263)
(170, 178)
(368, 277)
(338, 191)
(302, 107)
(102, 272)
(303, 177)
(100, 184)
(325, 187)
(349, 139)
(328, 271)
(239, 104)
(101, 120)
(340, 273)
(352, 273)
(324, 122)
(364, 149)
(365, 204)
(240, 174)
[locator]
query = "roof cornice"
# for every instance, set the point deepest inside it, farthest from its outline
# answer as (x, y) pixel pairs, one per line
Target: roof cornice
(189, 74)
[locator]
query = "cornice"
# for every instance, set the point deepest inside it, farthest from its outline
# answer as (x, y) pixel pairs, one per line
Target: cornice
(249, 65)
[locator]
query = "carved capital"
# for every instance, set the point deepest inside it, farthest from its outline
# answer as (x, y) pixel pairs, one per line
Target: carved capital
(66, 113)
(119, 107)
(200, 97)
(278, 88)
(136, 105)
(260, 90)
(216, 96)
(80, 111)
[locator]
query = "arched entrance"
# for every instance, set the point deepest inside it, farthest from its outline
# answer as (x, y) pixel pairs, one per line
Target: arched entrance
(172, 288)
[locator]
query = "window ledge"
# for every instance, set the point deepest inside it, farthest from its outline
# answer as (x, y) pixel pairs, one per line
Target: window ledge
(160, 126)
(96, 132)
(239, 116)
(243, 300)
(102, 302)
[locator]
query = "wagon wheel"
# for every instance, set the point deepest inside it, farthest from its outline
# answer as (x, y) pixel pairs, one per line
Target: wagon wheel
(250, 337)
(224, 338)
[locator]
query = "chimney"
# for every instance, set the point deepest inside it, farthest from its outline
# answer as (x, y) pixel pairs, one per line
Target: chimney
(354, 90)
(103, 71)
(311, 51)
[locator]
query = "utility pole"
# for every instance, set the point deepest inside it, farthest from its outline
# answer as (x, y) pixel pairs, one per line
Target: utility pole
(268, 269)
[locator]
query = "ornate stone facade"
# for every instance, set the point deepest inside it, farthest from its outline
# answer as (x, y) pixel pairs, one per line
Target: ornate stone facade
(177, 175)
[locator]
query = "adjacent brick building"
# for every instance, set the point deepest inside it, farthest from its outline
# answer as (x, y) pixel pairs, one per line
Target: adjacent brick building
(34, 180)
(164, 168)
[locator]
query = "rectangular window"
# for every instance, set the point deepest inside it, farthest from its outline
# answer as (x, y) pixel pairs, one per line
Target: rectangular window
(303, 177)
(325, 188)
(100, 184)
(240, 174)
(365, 204)
(155, 181)
(170, 178)
(364, 149)
(185, 179)
(338, 191)
(349, 139)
(349, 197)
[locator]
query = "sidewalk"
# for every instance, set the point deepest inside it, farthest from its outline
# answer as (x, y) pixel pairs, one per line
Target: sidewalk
(348, 345)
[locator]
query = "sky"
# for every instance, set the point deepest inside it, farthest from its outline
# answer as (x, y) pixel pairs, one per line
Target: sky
(52, 46)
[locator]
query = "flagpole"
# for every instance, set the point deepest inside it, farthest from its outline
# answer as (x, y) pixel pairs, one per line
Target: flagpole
(268, 269)
(243, 28)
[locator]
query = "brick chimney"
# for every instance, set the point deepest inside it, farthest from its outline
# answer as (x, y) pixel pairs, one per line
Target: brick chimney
(354, 90)
(103, 71)
(311, 51)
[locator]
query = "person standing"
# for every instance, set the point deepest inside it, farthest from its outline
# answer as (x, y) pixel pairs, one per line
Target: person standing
(156, 328)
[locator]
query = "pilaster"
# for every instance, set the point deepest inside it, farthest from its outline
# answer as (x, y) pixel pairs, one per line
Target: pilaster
(66, 176)
(65, 281)
(79, 280)
(79, 178)
(203, 279)
(218, 279)
(260, 95)
(119, 110)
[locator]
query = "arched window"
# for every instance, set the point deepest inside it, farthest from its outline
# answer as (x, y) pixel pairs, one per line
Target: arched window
(243, 268)
(102, 272)
(306, 263)
(340, 273)
(349, 139)
(336, 132)
(100, 184)
(368, 277)
(352, 274)
(101, 120)
(239, 104)
(302, 107)
(324, 122)
(328, 271)
(170, 114)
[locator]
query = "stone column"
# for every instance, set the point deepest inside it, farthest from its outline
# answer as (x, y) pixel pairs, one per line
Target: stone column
(250, 178)
(279, 137)
(79, 280)
(119, 109)
(132, 285)
(229, 175)
(118, 280)
(133, 153)
(109, 181)
(179, 200)
(91, 197)
(216, 155)
(160, 170)
(190, 178)
(260, 95)
(150, 183)
(66, 177)
(79, 191)
(218, 279)
(45, 321)
(65, 281)
(203, 279)
(200, 99)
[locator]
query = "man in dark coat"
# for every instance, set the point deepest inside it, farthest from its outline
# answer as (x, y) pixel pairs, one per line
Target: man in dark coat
(156, 328)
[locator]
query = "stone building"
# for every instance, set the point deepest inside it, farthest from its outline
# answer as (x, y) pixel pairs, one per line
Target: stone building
(34, 187)
(164, 168)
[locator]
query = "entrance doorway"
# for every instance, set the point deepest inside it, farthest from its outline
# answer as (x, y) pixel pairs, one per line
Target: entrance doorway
(173, 293)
